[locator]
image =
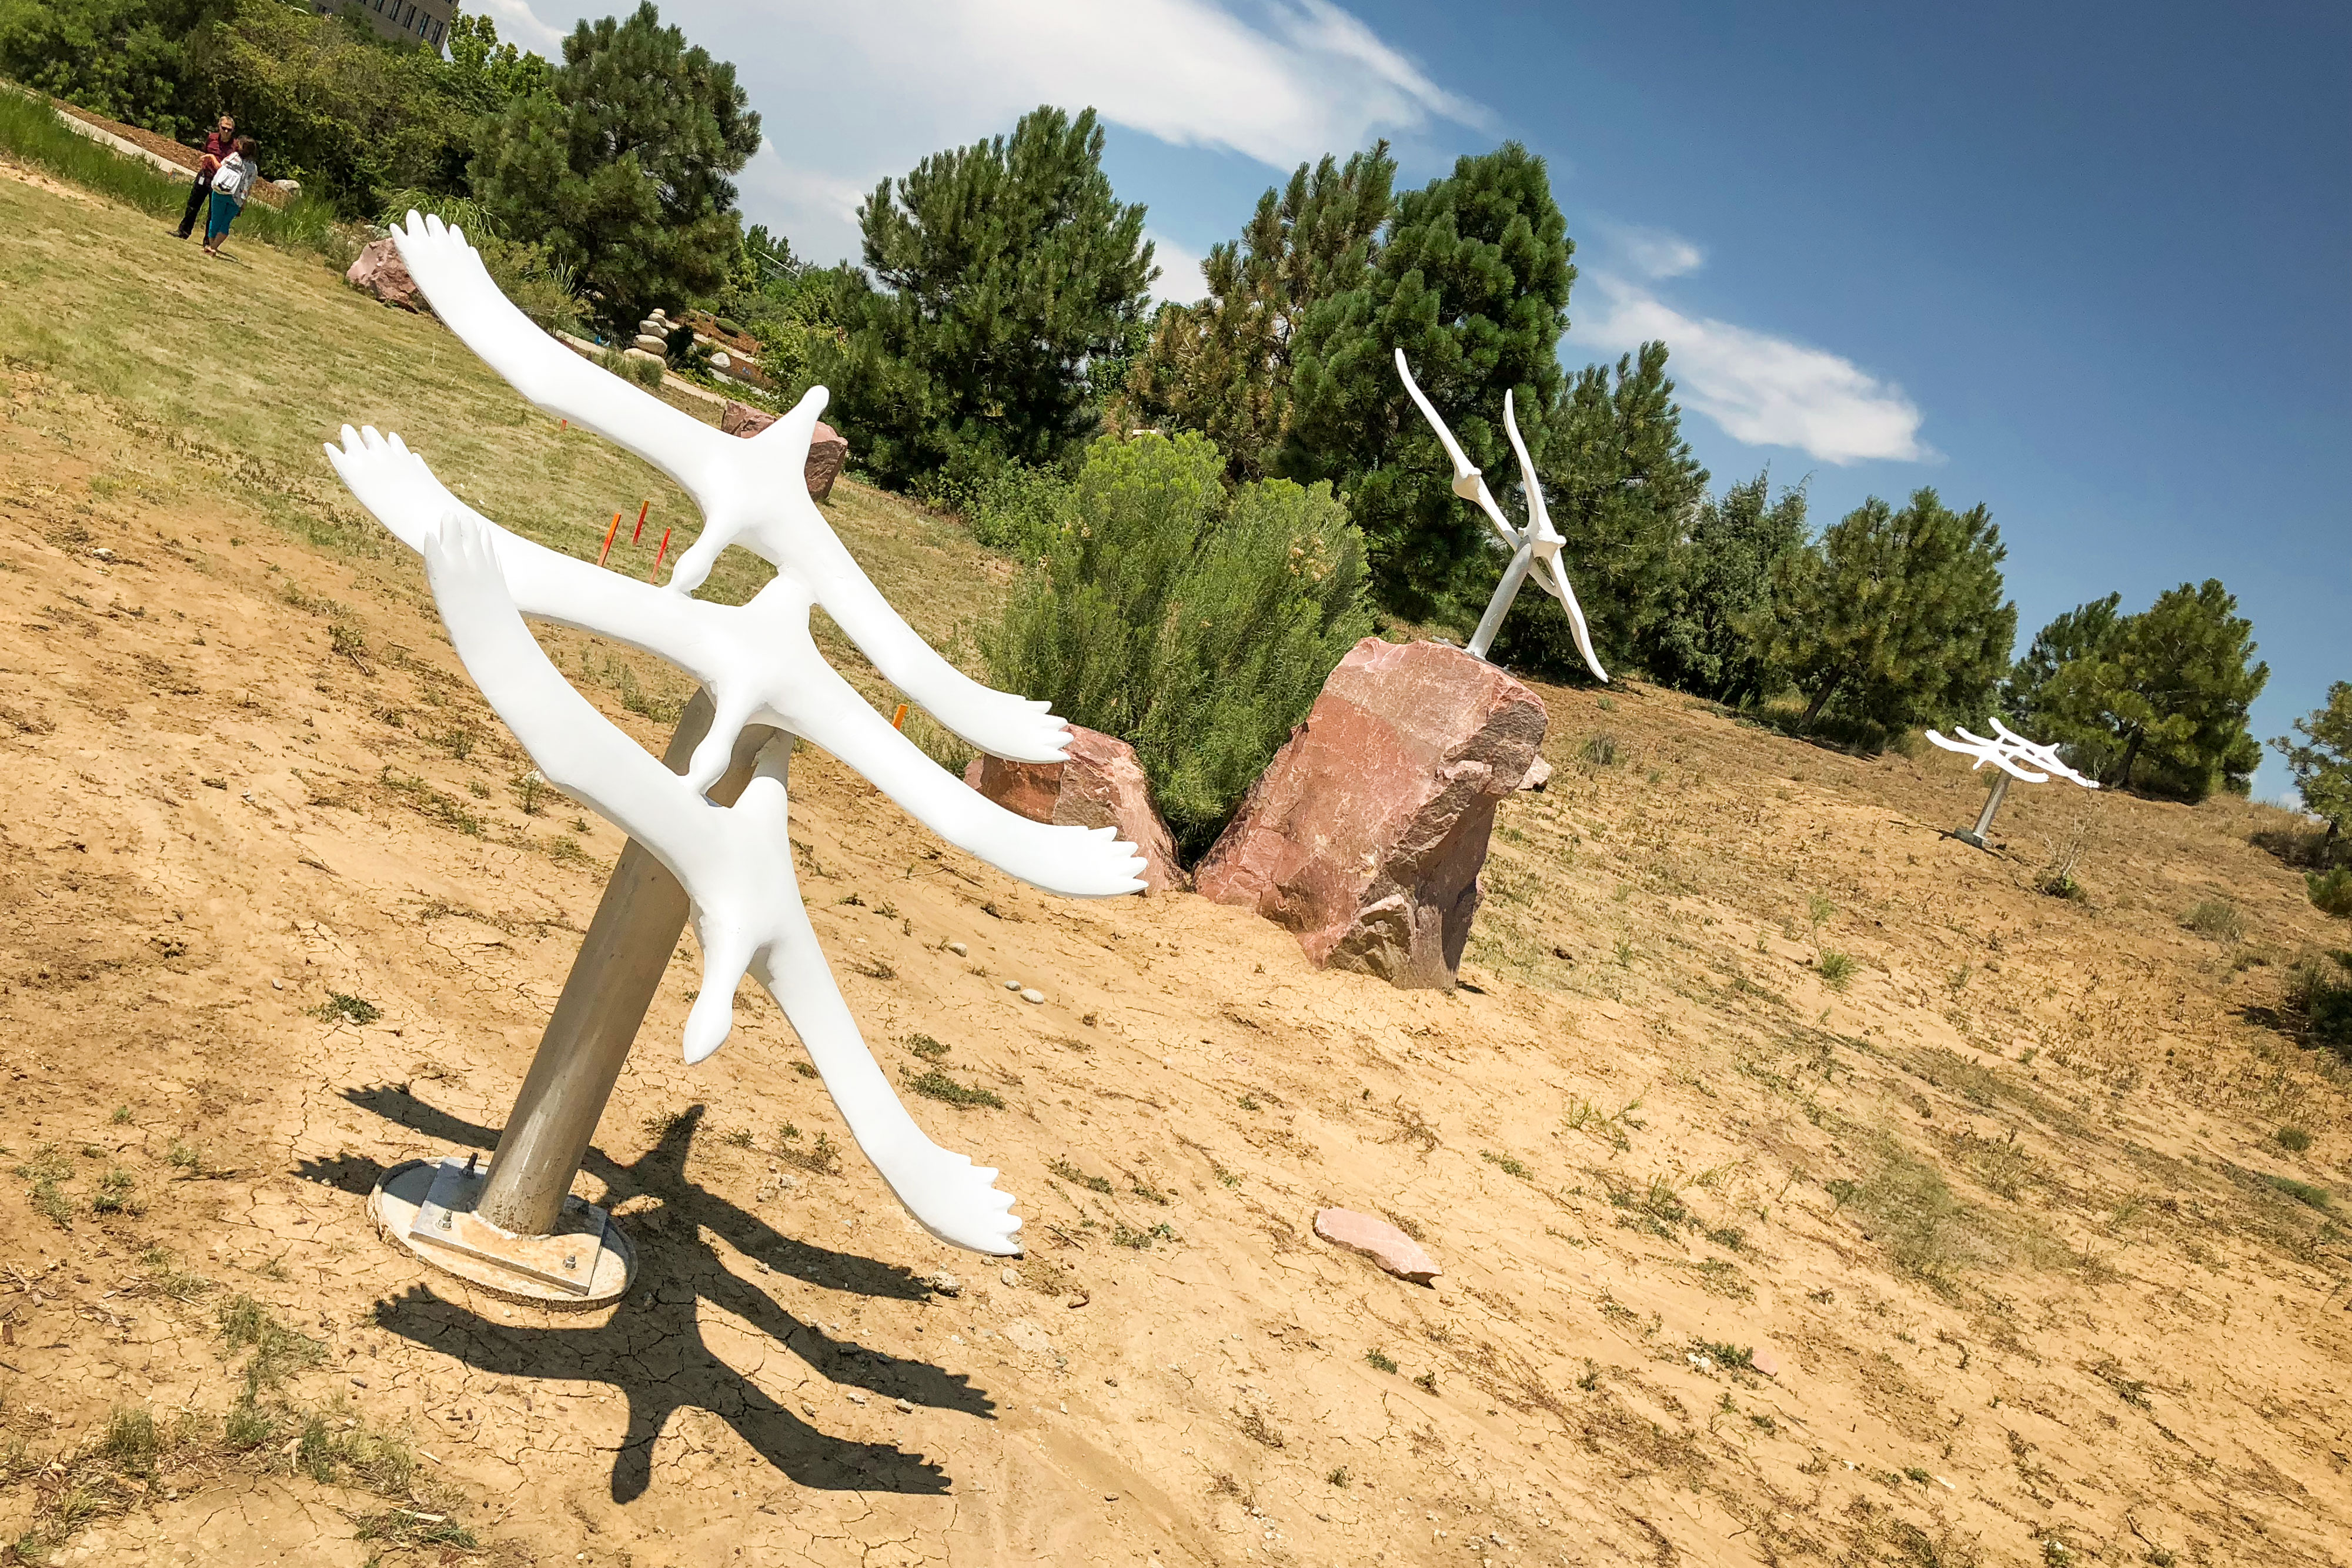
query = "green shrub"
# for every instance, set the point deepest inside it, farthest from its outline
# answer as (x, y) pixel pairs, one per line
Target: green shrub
(2218, 919)
(2331, 891)
(2319, 994)
(541, 288)
(1194, 624)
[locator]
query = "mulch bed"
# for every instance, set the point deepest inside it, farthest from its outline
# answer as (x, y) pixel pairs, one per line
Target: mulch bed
(163, 146)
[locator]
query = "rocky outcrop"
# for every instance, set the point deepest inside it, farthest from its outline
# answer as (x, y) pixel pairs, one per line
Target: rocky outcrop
(827, 451)
(1100, 785)
(1366, 833)
(828, 454)
(380, 271)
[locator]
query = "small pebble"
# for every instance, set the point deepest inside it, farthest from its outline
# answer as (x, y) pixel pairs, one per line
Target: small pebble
(858, 1399)
(1033, 994)
(1011, 985)
(1011, 1276)
(959, 949)
(905, 1409)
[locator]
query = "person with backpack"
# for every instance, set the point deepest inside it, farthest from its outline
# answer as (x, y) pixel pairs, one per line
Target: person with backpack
(216, 148)
(232, 183)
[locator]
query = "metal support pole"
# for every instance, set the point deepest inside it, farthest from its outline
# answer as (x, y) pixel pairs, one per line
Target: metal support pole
(1504, 592)
(1984, 818)
(596, 1021)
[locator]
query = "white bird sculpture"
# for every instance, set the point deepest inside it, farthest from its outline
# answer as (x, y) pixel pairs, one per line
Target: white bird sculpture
(749, 493)
(1537, 545)
(760, 665)
(2016, 757)
(736, 865)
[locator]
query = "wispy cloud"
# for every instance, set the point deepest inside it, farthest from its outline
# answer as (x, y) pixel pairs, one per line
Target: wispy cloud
(1762, 390)
(1654, 253)
(519, 25)
(1181, 278)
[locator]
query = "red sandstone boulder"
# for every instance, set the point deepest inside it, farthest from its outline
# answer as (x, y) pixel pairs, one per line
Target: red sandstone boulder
(380, 271)
(1366, 832)
(827, 451)
(1100, 786)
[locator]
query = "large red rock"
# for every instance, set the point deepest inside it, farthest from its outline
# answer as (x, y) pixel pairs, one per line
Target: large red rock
(1383, 1243)
(1366, 833)
(1100, 786)
(380, 271)
(827, 451)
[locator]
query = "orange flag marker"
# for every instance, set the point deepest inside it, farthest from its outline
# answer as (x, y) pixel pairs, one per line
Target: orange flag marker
(641, 521)
(898, 719)
(608, 540)
(660, 556)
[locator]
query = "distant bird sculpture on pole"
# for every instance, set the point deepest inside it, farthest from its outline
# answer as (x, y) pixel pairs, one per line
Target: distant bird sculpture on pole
(2013, 756)
(1534, 549)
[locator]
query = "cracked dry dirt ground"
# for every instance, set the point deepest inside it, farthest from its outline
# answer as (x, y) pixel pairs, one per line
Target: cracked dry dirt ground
(1997, 1213)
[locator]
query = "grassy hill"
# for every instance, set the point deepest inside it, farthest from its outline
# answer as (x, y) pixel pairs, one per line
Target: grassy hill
(1771, 1114)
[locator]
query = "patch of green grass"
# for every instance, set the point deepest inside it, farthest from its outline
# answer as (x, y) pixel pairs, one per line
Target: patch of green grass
(1379, 1361)
(117, 1193)
(1741, 1356)
(2293, 1140)
(937, 1085)
(1836, 969)
(121, 1117)
(2301, 1191)
(279, 1353)
(2217, 919)
(924, 1046)
(1124, 1235)
(46, 1172)
(1600, 750)
(1076, 1177)
(1908, 1209)
(353, 1010)
(1507, 1165)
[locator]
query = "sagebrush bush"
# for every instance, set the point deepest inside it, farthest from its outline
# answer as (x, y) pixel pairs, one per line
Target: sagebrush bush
(1195, 624)
(2331, 891)
(2218, 919)
(2319, 993)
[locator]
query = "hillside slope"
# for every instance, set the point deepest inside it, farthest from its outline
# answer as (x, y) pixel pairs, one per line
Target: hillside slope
(1987, 1254)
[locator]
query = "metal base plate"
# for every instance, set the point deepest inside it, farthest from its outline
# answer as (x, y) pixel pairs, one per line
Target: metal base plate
(1969, 837)
(427, 1208)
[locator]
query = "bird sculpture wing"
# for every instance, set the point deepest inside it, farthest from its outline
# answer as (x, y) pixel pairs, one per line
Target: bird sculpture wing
(750, 492)
(735, 863)
(2041, 756)
(1469, 483)
(1554, 579)
(1994, 752)
(759, 664)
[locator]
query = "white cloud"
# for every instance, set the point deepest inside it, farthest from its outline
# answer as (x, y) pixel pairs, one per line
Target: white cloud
(849, 93)
(519, 25)
(1655, 253)
(1764, 391)
(1181, 278)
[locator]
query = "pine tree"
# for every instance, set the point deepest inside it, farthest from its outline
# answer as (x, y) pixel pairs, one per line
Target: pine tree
(2321, 762)
(1895, 618)
(2158, 702)
(1718, 588)
(1222, 367)
(621, 168)
(1621, 485)
(1008, 269)
(1472, 283)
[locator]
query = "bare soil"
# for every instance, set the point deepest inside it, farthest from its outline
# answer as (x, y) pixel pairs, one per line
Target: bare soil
(1770, 1110)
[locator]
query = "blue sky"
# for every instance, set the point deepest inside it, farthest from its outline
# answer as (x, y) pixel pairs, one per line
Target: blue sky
(2089, 265)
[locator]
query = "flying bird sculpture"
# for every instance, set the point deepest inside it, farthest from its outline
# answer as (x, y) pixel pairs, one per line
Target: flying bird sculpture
(2016, 757)
(749, 493)
(760, 665)
(1534, 549)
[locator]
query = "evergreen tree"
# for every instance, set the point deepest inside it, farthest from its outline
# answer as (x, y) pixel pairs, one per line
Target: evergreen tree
(2086, 632)
(621, 168)
(1895, 618)
(1007, 269)
(1718, 592)
(1621, 485)
(1223, 366)
(2158, 701)
(1472, 283)
(2322, 761)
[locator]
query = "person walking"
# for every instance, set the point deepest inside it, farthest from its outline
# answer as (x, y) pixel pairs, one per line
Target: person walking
(232, 183)
(216, 147)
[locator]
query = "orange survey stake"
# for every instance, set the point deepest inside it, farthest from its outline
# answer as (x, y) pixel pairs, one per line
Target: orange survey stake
(608, 540)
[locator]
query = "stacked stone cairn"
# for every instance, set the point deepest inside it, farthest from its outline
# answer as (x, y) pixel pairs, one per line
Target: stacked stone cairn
(652, 340)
